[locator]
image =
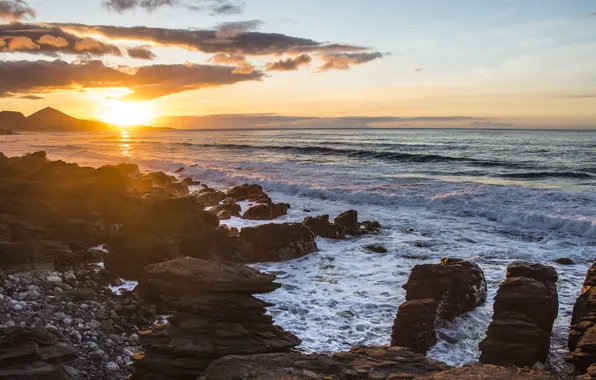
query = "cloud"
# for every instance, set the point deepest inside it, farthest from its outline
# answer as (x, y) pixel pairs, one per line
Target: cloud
(242, 65)
(214, 7)
(344, 61)
(574, 96)
(14, 10)
(50, 40)
(31, 97)
(26, 78)
(210, 41)
(289, 64)
(232, 29)
(141, 52)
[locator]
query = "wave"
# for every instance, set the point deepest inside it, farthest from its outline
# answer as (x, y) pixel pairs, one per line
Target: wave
(539, 175)
(362, 154)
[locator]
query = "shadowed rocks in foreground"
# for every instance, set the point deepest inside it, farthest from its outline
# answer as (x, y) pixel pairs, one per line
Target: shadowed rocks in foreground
(525, 309)
(436, 292)
(216, 315)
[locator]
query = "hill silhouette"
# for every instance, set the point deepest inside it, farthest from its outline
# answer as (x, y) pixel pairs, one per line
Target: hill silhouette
(50, 120)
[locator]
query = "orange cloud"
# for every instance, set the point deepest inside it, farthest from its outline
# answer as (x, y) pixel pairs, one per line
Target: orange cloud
(57, 42)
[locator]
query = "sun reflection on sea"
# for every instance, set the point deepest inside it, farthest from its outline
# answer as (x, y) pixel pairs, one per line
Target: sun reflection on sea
(125, 149)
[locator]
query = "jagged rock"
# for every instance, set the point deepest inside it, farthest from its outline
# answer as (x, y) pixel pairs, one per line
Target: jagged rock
(582, 334)
(349, 220)
(246, 192)
(321, 227)
(388, 363)
(190, 182)
(266, 211)
(414, 325)
(489, 372)
(208, 196)
(277, 242)
(456, 286)
(216, 315)
(525, 308)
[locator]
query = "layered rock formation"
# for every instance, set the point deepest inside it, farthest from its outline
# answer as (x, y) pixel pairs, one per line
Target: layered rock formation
(525, 308)
(582, 334)
(436, 292)
(33, 353)
(216, 315)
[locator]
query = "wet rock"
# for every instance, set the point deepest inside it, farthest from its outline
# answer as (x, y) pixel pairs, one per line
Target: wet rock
(525, 308)
(388, 363)
(226, 210)
(582, 334)
(266, 211)
(276, 242)
(129, 256)
(348, 220)
(246, 192)
(456, 286)
(414, 325)
(216, 315)
(377, 248)
(321, 226)
(564, 261)
(208, 196)
(190, 182)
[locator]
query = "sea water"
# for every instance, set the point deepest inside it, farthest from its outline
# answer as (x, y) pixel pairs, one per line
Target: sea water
(489, 196)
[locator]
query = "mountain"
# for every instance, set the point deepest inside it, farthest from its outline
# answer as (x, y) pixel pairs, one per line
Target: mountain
(52, 120)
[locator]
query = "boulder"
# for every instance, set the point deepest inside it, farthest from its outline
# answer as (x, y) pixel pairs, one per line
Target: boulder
(489, 372)
(246, 192)
(321, 226)
(190, 182)
(525, 308)
(266, 211)
(226, 210)
(436, 293)
(377, 248)
(414, 325)
(208, 196)
(276, 242)
(582, 334)
(216, 315)
(349, 220)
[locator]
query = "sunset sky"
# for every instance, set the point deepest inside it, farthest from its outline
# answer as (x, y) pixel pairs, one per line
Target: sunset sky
(528, 63)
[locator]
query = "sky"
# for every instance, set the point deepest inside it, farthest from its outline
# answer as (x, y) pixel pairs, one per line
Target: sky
(385, 63)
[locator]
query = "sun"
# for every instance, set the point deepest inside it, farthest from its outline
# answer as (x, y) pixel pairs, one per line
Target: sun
(126, 114)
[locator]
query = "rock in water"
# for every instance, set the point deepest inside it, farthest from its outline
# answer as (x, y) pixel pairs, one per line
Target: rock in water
(582, 334)
(246, 192)
(456, 286)
(321, 227)
(216, 315)
(349, 220)
(266, 211)
(525, 309)
(277, 242)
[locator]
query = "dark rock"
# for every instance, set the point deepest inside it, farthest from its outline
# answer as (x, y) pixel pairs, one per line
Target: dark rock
(227, 208)
(490, 372)
(216, 315)
(525, 308)
(456, 287)
(276, 242)
(564, 261)
(388, 363)
(190, 182)
(246, 192)
(414, 325)
(349, 220)
(208, 196)
(321, 227)
(179, 170)
(376, 248)
(582, 334)
(266, 211)
(129, 256)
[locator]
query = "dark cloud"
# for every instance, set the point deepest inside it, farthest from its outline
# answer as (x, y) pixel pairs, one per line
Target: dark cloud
(210, 41)
(418, 70)
(289, 64)
(12, 10)
(50, 40)
(214, 7)
(344, 61)
(141, 52)
(31, 97)
(26, 78)
(232, 29)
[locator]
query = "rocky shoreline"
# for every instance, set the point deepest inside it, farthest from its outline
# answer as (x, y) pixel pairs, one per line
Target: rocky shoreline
(71, 236)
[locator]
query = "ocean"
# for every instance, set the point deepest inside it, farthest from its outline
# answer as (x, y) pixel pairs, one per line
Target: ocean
(490, 196)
